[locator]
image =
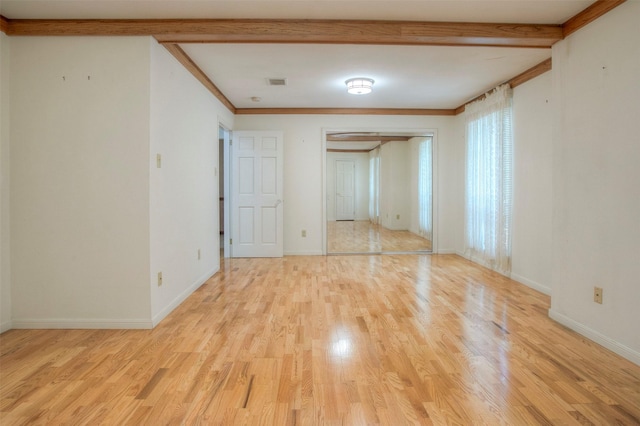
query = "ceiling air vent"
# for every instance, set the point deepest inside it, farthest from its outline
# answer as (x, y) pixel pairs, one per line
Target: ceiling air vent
(277, 81)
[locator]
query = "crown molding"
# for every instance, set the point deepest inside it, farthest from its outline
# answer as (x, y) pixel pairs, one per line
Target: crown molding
(519, 79)
(346, 111)
(191, 66)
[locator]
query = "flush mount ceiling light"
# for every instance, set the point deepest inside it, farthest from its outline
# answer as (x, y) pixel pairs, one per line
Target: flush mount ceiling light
(359, 85)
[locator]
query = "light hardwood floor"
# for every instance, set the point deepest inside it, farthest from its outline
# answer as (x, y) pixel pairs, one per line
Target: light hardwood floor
(361, 236)
(338, 340)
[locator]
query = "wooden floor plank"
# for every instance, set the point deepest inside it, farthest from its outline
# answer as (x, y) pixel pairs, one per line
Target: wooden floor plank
(379, 340)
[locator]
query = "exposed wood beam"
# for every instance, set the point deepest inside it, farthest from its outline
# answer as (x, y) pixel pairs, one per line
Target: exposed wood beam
(347, 111)
(188, 63)
(4, 24)
(299, 31)
(519, 79)
(588, 15)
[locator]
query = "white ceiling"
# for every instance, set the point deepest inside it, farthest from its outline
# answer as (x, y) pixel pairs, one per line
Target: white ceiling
(406, 76)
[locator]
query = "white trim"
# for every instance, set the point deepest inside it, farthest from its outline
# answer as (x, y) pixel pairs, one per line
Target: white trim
(5, 326)
(87, 323)
(532, 284)
(183, 296)
(596, 336)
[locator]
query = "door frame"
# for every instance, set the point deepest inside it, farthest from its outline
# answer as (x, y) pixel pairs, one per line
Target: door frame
(434, 182)
(226, 173)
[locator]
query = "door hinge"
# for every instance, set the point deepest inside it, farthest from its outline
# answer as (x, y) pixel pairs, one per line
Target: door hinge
(230, 241)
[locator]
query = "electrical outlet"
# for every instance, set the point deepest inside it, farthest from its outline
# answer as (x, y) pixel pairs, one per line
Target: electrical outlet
(198, 254)
(159, 279)
(397, 217)
(597, 295)
(158, 160)
(304, 233)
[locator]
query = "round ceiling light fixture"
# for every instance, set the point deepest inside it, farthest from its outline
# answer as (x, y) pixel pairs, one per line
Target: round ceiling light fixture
(359, 85)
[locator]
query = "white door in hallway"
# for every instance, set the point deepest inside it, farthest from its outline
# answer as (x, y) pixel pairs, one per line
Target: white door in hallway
(256, 194)
(345, 190)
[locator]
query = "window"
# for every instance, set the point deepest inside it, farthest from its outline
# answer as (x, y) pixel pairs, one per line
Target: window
(489, 180)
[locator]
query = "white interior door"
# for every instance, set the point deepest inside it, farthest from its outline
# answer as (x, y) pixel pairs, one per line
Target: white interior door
(256, 194)
(345, 190)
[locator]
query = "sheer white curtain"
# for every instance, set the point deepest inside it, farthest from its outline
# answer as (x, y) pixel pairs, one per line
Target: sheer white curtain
(489, 137)
(374, 186)
(425, 176)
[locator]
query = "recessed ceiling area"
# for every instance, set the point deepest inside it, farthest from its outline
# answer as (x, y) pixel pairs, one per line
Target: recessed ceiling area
(405, 76)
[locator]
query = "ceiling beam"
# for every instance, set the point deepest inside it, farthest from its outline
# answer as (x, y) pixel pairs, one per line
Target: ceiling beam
(588, 15)
(347, 111)
(4, 24)
(299, 31)
(356, 151)
(191, 66)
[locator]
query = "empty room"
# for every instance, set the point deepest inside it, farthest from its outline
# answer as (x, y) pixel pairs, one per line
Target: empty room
(319, 212)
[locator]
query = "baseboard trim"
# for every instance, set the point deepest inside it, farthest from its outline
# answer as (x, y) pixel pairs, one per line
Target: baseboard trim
(532, 284)
(87, 323)
(596, 336)
(183, 296)
(118, 324)
(5, 326)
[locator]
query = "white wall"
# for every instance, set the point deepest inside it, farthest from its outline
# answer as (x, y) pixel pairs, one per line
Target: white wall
(80, 181)
(532, 161)
(303, 169)
(596, 180)
(184, 191)
(5, 236)
(361, 163)
(454, 174)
